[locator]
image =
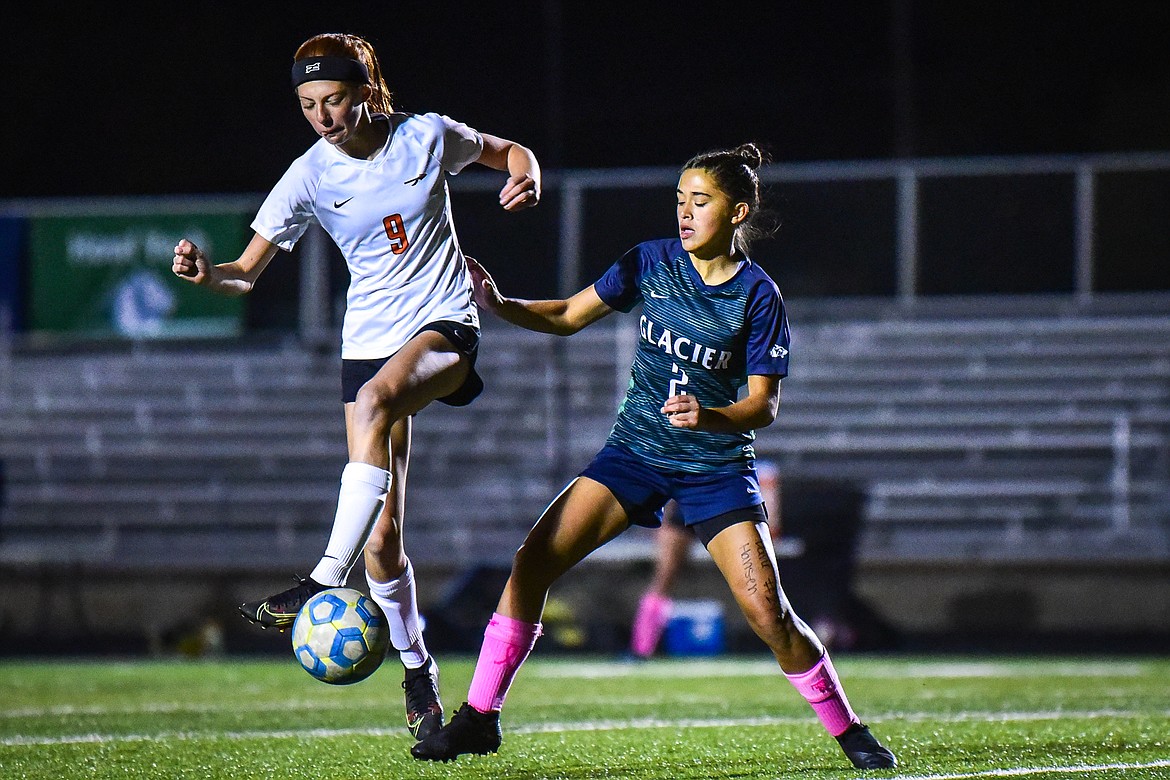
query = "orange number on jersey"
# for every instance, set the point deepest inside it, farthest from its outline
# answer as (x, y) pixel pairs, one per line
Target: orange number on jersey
(396, 232)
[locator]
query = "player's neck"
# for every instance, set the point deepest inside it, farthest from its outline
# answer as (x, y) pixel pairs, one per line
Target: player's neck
(369, 139)
(717, 269)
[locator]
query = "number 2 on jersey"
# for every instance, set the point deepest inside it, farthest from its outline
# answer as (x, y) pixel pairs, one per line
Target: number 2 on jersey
(678, 386)
(396, 232)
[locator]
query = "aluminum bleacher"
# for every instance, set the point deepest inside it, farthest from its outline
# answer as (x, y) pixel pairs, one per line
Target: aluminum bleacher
(1002, 429)
(995, 428)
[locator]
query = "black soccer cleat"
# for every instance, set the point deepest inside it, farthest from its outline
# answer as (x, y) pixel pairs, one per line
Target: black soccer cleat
(281, 610)
(470, 731)
(424, 711)
(864, 750)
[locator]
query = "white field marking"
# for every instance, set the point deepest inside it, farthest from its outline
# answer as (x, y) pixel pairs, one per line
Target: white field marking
(590, 670)
(1040, 770)
(993, 669)
(306, 705)
(657, 669)
(768, 668)
(574, 727)
(172, 708)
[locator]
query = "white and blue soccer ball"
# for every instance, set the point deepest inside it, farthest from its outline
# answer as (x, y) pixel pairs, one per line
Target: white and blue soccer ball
(340, 636)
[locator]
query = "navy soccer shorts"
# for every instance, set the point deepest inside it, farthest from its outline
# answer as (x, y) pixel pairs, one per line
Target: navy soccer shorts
(708, 502)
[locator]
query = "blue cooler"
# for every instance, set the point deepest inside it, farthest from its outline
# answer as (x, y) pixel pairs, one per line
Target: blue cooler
(695, 628)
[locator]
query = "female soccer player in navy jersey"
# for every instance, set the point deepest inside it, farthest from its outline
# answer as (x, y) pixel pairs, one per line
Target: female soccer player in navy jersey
(376, 181)
(712, 321)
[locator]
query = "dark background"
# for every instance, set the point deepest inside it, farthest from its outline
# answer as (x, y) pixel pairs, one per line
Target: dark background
(127, 99)
(136, 99)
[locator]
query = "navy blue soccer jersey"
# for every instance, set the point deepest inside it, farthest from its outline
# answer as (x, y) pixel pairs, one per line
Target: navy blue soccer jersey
(694, 338)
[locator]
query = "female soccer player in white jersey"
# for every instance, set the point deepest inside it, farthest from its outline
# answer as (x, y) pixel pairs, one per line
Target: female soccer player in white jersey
(376, 181)
(712, 322)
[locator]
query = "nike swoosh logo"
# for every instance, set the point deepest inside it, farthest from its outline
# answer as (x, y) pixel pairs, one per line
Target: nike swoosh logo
(339, 203)
(658, 295)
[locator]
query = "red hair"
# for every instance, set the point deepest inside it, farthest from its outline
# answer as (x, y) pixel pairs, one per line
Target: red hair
(355, 48)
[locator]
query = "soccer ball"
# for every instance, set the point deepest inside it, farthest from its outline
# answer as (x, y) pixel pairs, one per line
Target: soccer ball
(340, 636)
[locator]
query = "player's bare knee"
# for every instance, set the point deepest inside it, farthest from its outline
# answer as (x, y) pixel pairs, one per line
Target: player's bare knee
(524, 562)
(373, 396)
(772, 622)
(763, 619)
(380, 549)
(530, 566)
(377, 404)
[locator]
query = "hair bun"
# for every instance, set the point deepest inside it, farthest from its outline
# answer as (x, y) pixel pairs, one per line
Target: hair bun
(752, 156)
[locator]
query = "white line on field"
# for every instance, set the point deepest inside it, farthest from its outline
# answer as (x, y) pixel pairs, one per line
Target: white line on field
(569, 727)
(1040, 770)
(316, 705)
(665, 668)
(554, 728)
(172, 708)
(768, 668)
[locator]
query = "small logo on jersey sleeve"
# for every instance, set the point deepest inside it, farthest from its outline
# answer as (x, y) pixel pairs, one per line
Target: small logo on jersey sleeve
(339, 203)
(778, 351)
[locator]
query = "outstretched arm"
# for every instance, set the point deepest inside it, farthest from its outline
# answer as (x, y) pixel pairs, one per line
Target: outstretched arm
(234, 278)
(522, 190)
(755, 410)
(562, 317)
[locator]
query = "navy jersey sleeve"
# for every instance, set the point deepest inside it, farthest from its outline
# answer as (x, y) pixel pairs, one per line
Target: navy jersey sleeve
(619, 287)
(768, 337)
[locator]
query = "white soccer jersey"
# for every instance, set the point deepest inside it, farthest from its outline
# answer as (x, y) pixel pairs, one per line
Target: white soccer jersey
(391, 218)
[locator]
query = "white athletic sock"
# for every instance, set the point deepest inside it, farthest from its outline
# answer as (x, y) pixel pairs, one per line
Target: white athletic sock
(360, 501)
(397, 599)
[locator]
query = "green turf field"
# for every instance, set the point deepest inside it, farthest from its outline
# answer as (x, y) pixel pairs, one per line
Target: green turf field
(731, 717)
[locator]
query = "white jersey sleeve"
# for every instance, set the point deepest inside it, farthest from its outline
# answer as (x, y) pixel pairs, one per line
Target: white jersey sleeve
(287, 212)
(460, 145)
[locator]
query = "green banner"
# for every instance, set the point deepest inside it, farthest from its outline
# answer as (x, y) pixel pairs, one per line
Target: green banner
(110, 276)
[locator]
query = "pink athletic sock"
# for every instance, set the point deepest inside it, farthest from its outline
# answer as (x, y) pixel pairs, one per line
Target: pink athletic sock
(649, 623)
(506, 643)
(821, 687)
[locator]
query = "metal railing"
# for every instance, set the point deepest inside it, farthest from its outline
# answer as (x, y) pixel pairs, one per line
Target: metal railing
(571, 190)
(572, 187)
